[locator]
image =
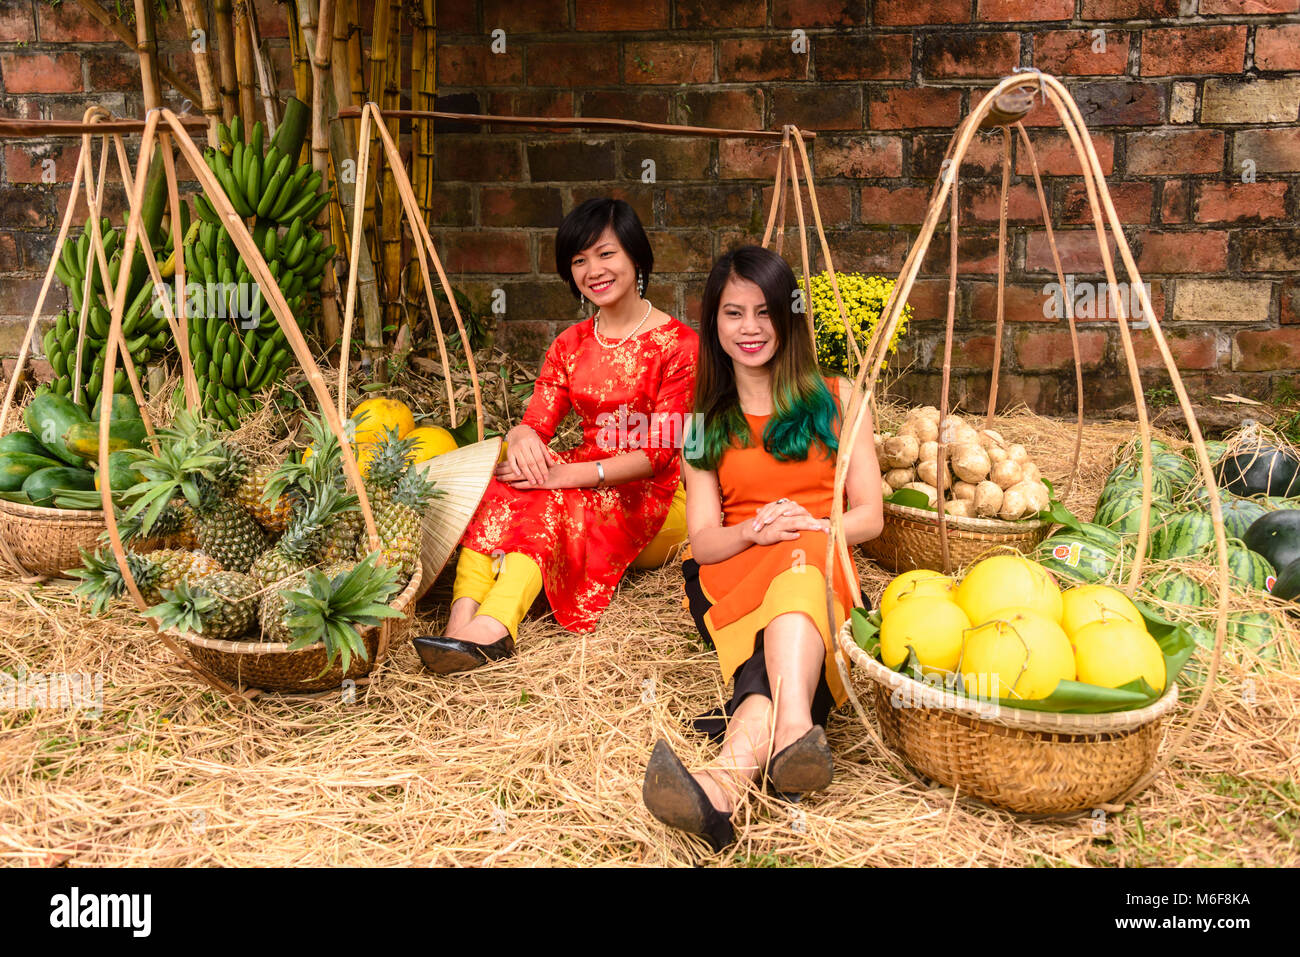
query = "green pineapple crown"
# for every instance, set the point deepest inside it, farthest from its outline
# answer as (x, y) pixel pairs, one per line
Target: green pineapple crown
(308, 526)
(327, 610)
(131, 528)
(416, 490)
(102, 580)
(184, 465)
(183, 608)
(192, 429)
(391, 461)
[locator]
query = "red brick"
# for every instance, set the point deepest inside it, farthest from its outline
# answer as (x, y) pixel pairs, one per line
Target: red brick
(572, 64)
(1056, 155)
(914, 13)
(875, 56)
(835, 203)
(70, 22)
(642, 107)
(865, 250)
(616, 15)
(41, 73)
(1274, 151)
(984, 158)
(486, 158)
(1054, 351)
(11, 259)
(18, 298)
(1196, 50)
(1175, 201)
(675, 157)
(747, 159)
(676, 252)
(490, 252)
(929, 298)
(451, 16)
(640, 198)
(1006, 11)
(1092, 301)
(571, 159)
(531, 103)
(26, 164)
(753, 58)
(897, 204)
(664, 62)
(1160, 152)
(1120, 103)
(710, 13)
(452, 205)
(524, 16)
(1270, 250)
(1277, 48)
(1020, 304)
(1235, 202)
(16, 23)
(519, 206)
(970, 54)
(1080, 254)
(858, 156)
(898, 107)
(1266, 350)
(1182, 252)
(475, 64)
(1128, 9)
(525, 339)
(113, 70)
(968, 352)
(1290, 311)
(693, 205)
(977, 253)
(1248, 6)
(818, 13)
(727, 109)
(1192, 349)
(820, 107)
(1132, 202)
(1070, 53)
(982, 203)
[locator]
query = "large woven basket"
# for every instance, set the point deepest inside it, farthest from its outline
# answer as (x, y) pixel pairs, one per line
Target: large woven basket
(910, 538)
(45, 541)
(271, 666)
(1032, 762)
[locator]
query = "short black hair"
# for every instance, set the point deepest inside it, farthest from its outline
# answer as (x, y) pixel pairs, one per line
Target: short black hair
(582, 227)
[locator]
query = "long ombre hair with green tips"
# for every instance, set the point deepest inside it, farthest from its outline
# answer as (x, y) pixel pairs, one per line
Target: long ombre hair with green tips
(803, 409)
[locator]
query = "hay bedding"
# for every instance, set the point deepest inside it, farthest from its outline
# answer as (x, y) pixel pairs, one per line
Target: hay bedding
(538, 760)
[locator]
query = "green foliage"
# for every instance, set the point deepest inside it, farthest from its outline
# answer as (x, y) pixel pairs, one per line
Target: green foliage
(326, 611)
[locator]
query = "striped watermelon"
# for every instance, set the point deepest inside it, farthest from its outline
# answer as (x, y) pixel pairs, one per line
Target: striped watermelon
(1132, 449)
(1239, 514)
(1098, 533)
(1176, 588)
(1122, 513)
(1077, 558)
(1214, 449)
(1248, 569)
(1129, 475)
(1181, 473)
(1253, 628)
(1181, 534)
(1200, 497)
(1203, 637)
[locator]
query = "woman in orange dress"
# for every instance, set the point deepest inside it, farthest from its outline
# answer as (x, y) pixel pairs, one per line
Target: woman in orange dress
(574, 522)
(760, 477)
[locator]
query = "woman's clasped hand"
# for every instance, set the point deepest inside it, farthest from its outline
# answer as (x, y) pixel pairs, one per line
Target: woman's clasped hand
(782, 521)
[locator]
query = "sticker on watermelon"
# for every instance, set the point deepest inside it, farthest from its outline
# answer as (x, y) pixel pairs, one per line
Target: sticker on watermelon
(1067, 553)
(1269, 582)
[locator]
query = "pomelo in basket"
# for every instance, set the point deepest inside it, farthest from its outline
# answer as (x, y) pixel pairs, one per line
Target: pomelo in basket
(1113, 653)
(1089, 603)
(933, 627)
(913, 584)
(374, 417)
(1008, 581)
(1022, 654)
(430, 441)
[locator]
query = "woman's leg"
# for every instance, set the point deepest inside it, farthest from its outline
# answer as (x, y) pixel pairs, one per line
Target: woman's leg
(743, 754)
(505, 604)
(795, 656)
(474, 579)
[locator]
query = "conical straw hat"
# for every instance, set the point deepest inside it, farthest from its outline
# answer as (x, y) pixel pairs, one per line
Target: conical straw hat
(462, 476)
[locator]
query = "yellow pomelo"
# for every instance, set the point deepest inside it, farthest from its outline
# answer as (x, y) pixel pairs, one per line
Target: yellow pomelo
(375, 416)
(1008, 581)
(430, 440)
(1021, 655)
(365, 453)
(931, 625)
(913, 584)
(1113, 653)
(1084, 604)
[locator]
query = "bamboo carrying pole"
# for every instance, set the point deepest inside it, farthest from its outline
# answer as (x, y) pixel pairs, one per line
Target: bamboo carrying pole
(1104, 215)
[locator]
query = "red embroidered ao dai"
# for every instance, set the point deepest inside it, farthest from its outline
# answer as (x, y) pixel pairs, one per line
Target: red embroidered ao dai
(636, 395)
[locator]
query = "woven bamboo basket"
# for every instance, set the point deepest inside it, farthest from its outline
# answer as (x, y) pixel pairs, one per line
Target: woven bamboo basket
(910, 538)
(271, 666)
(46, 541)
(1027, 761)
(1032, 762)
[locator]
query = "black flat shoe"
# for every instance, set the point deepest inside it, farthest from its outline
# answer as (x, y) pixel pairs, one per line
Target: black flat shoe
(803, 766)
(676, 799)
(446, 656)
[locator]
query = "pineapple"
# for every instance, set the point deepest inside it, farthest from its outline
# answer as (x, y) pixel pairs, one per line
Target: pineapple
(102, 580)
(222, 605)
(294, 551)
(398, 520)
(327, 610)
(251, 494)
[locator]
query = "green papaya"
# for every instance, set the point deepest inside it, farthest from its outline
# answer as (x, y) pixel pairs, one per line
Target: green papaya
(16, 467)
(41, 486)
(48, 418)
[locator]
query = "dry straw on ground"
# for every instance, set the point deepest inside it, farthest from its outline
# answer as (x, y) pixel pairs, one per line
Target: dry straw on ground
(538, 760)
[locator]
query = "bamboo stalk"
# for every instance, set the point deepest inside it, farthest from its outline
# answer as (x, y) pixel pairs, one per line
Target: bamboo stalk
(378, 65)
(263, 73)
(346, 29)
(424, 86)
(391, 244)
(195, 20)
(146, 45)
(116, 27)
(297, 56)
(244, 62)
(318, 36)
(226, 59)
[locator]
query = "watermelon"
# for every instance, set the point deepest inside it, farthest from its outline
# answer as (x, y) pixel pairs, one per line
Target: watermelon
(1078, 558)
(1251, 627)
(1204, 637)
(1239, 514)
(1200, 496)
(1122, 513)
(1132, 449)
(1181, 534)
(1276, 536)
(1287, 585)
(1129, 475)
(1275, 502)
(1098, 533)
(1263, 469)
(1248, 569)
(1181, 473)
(1176, 588)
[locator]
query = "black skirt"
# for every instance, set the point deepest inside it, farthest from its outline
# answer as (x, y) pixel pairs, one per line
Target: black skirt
(751, 677)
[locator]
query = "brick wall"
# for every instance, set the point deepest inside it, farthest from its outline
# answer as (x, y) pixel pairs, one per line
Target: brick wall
(1193, 109)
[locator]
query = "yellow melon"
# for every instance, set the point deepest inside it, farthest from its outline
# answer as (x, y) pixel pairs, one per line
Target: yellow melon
(1084, 604)
(1008, 581)
(373, 417)
(920, 581)
(430, 440)
(1022, 654)
(931, 625)
(1113, 653)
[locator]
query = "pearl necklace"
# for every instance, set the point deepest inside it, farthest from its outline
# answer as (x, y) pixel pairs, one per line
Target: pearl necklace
(614, 345)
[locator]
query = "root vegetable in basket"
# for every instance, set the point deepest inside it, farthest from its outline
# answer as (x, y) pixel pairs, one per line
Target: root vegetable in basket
(922, 429)
(879, 441)
(961, 508)
(1029, 472)
(970, 462)
(988, 499)
(898, 478)
(928, 472)
(1017, 453)
(991, 439)
(1006, 474)
(900, 452)
(1015, 504)
(996, 454)
(963, 492)
(886, 489)
(929, 452)
(1036, 495)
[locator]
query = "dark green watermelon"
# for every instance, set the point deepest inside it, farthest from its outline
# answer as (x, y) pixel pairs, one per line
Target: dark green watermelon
(1262, 470)
(1098, 533)
(1132, 449)
(1129, 475)
(1078, 558)
(1178, 589)
(1181, 473)
(1215, 449)
(1239, 514)
(1123, 513)
(1276, 536)
(1253, 628)
(1182, 534)
(1287, 585)
(1249, 570)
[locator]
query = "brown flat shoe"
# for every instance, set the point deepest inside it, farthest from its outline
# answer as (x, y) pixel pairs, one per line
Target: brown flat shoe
(803, 766)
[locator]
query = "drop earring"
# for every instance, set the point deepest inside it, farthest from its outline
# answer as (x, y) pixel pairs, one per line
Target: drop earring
(582, 304)
(640, 285)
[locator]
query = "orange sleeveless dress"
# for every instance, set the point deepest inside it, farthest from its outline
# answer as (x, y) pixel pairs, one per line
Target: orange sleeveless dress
(748, 590)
